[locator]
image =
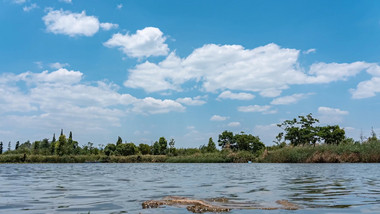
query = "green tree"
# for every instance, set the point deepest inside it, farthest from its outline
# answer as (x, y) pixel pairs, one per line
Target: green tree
(156, 148)
(131, 149)
(36, 147)
(248, 142)
(279, 138)
(61, 132)
(163, 145)
(17, 145)
(110, 149)
(171, 145)
(119, 141)
(309, 131)
(45, 146)
(226, 140)
(71, 146)
(211, 147)
(9, 146)
(88, 149)
(332, 134)
(373, 136)
(126, 149)
(144, 148)
(53, 141)
(1, 147)
(60, 145)
(52, 147)
(301, 132)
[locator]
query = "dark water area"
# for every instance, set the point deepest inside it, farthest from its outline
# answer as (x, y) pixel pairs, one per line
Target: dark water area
(121, 188)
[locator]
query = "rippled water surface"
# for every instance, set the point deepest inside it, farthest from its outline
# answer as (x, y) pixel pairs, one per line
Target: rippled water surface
(121, 188)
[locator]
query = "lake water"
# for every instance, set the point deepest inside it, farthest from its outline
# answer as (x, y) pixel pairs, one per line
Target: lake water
(121, 188)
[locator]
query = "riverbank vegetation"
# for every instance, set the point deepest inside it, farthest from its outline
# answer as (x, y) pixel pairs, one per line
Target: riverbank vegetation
(302, 141)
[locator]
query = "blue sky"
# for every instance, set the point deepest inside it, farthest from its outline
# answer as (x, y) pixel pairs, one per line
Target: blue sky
(186, 70)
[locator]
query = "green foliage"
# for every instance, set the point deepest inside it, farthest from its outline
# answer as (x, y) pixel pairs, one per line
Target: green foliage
(131, 149)
(119, 141)
(52, 147)
(126, 149)
(25, 146)
(305, 132)
(171, 146)
(53, 138)
(331, 134)
(110, 149)
(17, 145)
(302, 131)
(163, 145)
(249, 142)
(1, 147)
(215, 157)
(240, 142)
(187, 151)
(36, 147)
(368, 152)
(156, 148)
(60, 145)
(144, 149)
(226, 140)
(210, 148)
(373, 136)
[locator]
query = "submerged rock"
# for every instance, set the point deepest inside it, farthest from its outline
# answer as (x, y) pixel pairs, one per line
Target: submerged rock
(202, 206)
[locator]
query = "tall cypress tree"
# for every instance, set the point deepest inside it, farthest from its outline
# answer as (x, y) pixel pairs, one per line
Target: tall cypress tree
(53, 138)
(119, 141)
(1, 147)
(17, 145)
(9, 146)
(71, 135)
(61, 132)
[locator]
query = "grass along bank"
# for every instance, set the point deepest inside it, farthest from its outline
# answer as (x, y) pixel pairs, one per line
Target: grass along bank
(215, 157)
(368, 152)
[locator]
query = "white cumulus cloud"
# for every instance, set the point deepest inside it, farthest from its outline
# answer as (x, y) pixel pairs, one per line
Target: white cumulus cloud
(58, 65)
(149, 41)
(267, 70)
(291, 99)
(218, 118)
(366, 89)
(330, 72)
(331, 115)
(31, 7)
(73, 24)
(311, 50)
(151, 105)
(108, 26)
(233, 124)
(236, 96)
(196, 101)
(62, 98)
(254, 108)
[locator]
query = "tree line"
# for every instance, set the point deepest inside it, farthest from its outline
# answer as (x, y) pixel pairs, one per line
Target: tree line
(300, 131)
(68, 146)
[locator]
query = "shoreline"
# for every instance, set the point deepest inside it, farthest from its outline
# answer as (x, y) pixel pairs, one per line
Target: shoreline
(319, 154)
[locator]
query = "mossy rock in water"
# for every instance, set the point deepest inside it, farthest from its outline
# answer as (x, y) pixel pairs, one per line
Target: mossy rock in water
(222, 204)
